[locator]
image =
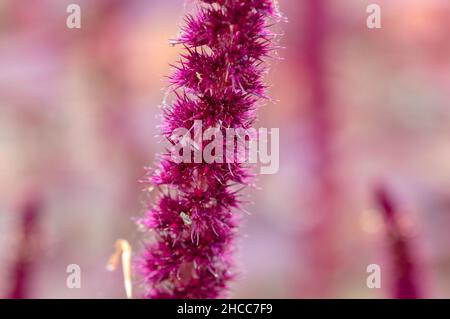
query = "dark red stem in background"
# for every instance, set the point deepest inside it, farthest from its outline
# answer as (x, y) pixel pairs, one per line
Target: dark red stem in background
(404, 266)
(323, 196)
(28, 234)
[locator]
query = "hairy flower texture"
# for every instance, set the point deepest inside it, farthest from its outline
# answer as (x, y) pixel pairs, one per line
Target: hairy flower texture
(217, 81)
(405, 283)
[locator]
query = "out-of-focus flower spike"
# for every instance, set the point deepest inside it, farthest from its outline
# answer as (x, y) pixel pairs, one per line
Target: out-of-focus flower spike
(28, 247)
(405, 274)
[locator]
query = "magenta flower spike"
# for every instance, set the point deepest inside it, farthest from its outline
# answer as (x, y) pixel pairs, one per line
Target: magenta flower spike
(27, 247)
(219, 82)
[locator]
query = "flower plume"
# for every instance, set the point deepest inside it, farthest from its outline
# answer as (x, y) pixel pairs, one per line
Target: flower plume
(218, 81)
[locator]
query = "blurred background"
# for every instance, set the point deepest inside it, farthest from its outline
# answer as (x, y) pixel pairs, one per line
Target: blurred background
(364, 120)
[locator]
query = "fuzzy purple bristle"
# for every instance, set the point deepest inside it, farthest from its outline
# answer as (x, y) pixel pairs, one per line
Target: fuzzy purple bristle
(219, 81)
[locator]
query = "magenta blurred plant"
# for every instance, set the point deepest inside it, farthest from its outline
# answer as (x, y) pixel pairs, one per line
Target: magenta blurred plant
(27, 247)
(319, 252)
(217, 81)
(405, 279)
